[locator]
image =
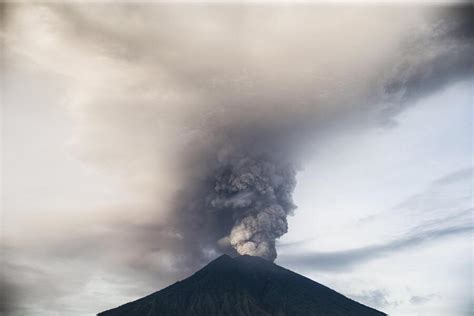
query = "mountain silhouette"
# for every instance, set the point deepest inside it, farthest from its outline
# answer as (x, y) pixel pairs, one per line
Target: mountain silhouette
(243, 286)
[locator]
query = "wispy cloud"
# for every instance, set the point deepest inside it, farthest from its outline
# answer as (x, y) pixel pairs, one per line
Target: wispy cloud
(417, 299)
(347, 259)
(442, 210)
(378, 298)
(460, 175)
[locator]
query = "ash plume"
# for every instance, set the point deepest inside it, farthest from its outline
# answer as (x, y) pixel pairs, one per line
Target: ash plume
(257, 193)
(240, 202)
(206, 112)
(232, 106)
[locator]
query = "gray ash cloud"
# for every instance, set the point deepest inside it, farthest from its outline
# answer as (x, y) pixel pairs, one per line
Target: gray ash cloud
(256, 193)
(240, 201)
(205, 113)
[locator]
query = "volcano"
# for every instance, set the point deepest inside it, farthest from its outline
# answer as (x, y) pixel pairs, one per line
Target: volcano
(243, 286)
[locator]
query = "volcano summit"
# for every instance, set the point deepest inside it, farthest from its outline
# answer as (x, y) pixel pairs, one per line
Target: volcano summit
(244, 285)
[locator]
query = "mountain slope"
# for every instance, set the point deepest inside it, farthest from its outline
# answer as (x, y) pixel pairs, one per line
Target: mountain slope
(244, 286)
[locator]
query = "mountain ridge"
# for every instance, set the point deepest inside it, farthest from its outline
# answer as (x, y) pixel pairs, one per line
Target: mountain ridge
(244, 286)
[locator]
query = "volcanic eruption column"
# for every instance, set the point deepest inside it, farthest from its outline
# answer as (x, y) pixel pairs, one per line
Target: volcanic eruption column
(257, 193)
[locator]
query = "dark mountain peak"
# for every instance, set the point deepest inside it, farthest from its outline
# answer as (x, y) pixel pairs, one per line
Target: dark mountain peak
(223, 260)
(244, 264)
(253, 260)
(240, 261)
(244, 285)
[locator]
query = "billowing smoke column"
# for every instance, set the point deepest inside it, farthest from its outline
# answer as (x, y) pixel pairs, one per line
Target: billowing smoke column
(265, 122)
(257, 194)
(203, 112)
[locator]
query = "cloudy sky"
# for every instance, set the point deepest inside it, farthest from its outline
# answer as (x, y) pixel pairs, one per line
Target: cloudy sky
(115, 117)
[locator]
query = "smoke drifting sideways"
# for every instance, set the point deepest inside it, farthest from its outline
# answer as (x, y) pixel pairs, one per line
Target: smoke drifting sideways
(254, 140)
(206, 111)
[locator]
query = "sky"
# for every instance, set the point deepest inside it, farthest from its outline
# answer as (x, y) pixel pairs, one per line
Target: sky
(115, 117)
(400, 219)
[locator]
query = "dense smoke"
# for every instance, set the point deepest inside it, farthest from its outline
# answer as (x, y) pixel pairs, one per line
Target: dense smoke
(240, 202)
(210, 110)
(257, 193)
(205, 112)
